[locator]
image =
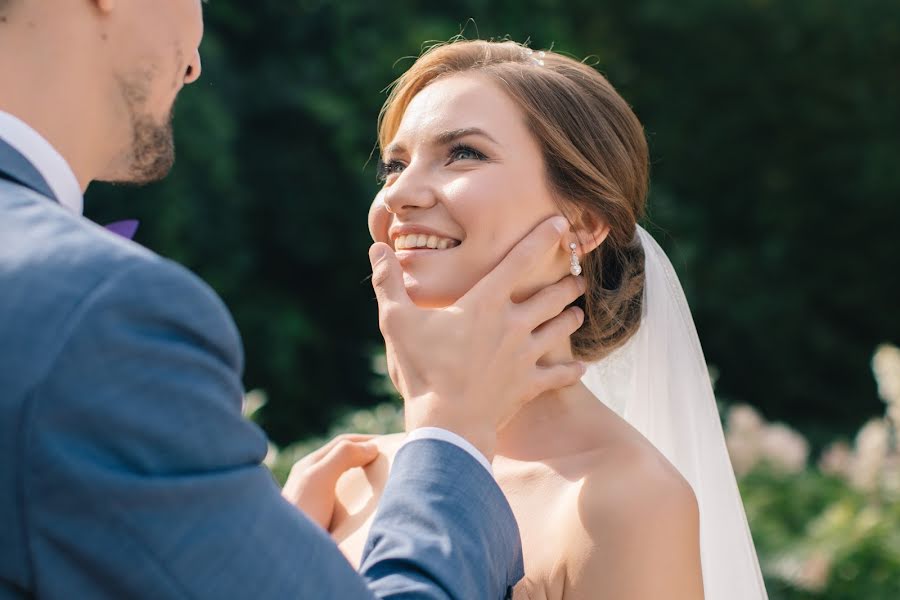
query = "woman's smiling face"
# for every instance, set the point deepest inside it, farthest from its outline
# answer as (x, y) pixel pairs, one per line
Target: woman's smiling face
(465, 178)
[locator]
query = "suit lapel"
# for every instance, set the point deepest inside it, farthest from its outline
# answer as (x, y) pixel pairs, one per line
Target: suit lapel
(16, 168)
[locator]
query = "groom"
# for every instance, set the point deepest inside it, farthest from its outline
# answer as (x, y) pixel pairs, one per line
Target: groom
(126, 470)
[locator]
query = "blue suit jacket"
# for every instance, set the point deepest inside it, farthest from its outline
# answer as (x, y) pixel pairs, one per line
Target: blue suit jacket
(127, 471)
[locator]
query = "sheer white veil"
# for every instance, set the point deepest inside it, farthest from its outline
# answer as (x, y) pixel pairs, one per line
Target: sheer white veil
(658, 382)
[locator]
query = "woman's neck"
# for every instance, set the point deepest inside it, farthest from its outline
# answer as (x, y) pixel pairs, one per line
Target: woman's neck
(534, 431)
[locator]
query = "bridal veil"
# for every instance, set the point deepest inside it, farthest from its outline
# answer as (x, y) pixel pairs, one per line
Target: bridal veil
(659, 382)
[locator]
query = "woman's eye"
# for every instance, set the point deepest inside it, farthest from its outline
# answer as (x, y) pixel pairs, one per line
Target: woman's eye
(388, 168)
(465, 153)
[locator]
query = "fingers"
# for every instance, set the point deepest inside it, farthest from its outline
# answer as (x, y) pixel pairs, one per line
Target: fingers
(552, 300)
(341, 458)
(559, 376)
(543, 239)
(387, 276)
(329, 462)
(560, 328)
(320, 453)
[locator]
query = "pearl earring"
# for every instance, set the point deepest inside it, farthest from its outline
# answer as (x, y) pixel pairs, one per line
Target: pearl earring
(576, 264)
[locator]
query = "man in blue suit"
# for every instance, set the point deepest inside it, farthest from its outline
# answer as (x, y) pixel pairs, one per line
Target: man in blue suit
(126, 469)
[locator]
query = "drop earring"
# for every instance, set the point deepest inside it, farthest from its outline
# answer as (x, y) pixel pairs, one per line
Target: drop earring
(575, 269)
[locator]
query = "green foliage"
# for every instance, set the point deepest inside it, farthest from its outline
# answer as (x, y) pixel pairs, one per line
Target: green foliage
(832, 532)
(818, 538)
(774, 134)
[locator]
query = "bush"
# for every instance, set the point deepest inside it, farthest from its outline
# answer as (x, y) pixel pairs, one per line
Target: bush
(831, 531)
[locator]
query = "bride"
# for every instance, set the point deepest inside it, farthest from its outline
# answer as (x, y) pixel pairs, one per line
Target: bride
(621, 485)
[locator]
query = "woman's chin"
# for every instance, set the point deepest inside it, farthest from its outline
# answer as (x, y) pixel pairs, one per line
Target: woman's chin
(427, 295)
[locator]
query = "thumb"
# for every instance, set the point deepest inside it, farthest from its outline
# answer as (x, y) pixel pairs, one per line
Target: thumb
(344, 457)
(387, 276)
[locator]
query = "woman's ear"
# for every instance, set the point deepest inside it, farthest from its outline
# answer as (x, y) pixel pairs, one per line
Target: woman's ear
(588, 233)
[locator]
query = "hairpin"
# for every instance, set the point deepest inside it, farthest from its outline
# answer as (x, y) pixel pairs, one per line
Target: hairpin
(536, 58)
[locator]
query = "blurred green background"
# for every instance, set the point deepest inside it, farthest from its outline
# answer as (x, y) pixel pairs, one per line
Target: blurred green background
(774, 128)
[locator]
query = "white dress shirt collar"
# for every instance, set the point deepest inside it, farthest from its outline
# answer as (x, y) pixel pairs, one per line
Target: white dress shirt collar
(434, 433)
(50, 163)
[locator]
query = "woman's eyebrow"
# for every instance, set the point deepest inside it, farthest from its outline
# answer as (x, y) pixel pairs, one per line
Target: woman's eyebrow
(448, 137)
(444, 138)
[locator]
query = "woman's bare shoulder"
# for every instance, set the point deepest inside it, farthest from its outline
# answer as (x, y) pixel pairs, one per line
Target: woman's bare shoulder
(622, 469)
(628, 477)
(634, 510)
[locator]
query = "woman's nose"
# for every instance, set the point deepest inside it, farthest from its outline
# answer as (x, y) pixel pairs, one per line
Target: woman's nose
(408, 192)
(192, 73)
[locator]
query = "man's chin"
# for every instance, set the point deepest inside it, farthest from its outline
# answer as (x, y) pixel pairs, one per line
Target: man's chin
(145, 175)
(152, 173)
(152, 153)
(146, 163)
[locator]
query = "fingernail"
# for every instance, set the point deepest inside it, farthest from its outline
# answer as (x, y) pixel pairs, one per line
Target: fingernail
(561, 224)
(582, 284)
(579, 314)
(583, 368)
(376, 253)
(369, 447)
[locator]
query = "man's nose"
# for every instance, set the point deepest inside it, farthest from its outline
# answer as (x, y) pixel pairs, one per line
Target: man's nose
(192, 73)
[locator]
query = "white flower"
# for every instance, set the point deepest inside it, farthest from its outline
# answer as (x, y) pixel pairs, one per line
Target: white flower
(743, 438)
(868, 460)
(744, 452)
(750, 439)
(813, 573)
(744, 419)
(837, 459)
(891, 477)
(806, 571)
(784, 448)
(886, 367)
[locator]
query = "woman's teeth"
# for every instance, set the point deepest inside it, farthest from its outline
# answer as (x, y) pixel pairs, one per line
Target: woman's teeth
(406, 242)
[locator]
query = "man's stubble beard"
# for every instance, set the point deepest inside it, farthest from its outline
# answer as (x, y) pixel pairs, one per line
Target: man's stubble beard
(151, 152)
(152, 149)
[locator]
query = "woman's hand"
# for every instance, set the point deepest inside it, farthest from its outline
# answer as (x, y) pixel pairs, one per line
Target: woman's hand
(311, 484)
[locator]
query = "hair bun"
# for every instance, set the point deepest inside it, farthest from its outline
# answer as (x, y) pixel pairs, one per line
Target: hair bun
(613, 304)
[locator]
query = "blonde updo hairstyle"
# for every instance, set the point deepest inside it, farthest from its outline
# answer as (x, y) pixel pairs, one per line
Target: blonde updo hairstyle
(595, 155)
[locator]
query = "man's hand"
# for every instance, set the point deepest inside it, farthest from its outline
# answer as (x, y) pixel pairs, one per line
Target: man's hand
(311, 484)
(469, 367)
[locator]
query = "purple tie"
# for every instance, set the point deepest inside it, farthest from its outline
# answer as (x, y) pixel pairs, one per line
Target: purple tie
(126, 229)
